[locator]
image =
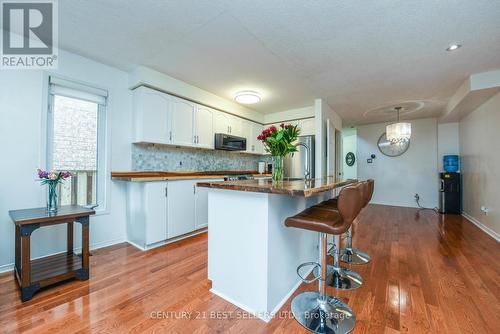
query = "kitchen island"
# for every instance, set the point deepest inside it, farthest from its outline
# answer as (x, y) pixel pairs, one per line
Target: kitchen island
(252, 256)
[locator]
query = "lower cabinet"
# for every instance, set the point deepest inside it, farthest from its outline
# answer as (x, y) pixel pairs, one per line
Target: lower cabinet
(159, 211)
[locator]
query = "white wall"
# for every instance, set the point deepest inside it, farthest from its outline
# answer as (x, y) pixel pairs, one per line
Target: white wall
(398, 179)
(23, 101)
(289, 115)
(349, 144)
(448, 142)
(479, 149)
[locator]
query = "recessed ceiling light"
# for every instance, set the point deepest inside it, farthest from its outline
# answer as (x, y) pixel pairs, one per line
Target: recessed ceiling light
(247, 97)
(453, 47)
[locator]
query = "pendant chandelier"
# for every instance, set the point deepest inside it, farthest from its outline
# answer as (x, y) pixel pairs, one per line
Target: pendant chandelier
(398, 132)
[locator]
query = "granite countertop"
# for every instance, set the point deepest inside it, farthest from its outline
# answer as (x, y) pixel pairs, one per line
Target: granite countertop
(137, 176)
(291, 187)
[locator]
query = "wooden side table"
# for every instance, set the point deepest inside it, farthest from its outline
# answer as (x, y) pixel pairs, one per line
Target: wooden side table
(32, 275)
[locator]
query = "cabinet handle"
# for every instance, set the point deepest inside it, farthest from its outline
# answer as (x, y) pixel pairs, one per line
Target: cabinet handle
(170, 135)
(197, 139)
(166, 192)
(194, 189)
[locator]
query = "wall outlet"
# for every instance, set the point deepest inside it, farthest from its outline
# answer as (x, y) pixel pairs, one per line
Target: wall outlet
(485, 210)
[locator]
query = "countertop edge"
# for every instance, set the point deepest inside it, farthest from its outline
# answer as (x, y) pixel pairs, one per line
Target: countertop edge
(289, 192)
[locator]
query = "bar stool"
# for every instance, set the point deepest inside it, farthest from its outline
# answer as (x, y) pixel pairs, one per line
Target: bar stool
(317, 311)
(353, 255)
(338, 277)
(349, 254)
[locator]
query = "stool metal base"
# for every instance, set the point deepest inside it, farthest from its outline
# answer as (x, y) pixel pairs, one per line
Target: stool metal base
(341, 278)
(354, 256)
(326, 316)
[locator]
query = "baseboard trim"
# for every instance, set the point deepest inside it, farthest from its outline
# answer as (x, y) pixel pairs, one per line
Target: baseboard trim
(264, 316)
(482, 227)
(10, 266)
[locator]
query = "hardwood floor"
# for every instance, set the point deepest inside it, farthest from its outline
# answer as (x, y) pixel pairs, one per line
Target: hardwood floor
(429, 274)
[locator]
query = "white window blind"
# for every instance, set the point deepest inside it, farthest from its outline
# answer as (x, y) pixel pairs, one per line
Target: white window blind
(76, 90)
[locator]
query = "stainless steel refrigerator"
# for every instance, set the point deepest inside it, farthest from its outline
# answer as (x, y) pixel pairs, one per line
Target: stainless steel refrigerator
(297, 165)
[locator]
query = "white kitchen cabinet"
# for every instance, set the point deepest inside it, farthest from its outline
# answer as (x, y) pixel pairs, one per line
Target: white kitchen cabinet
(183, 113)
(204, 127)
(236, 126)
(181, 207)
(307, 127)
(228, 124)
(254, 145)
(222, 122)
(201, 205)
(146, 213)
(152, 116)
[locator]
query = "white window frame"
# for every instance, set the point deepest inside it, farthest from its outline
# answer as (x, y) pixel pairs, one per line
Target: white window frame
(102, 182)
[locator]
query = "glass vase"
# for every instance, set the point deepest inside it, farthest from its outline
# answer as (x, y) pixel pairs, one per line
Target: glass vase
(52, 197)
(277, 168)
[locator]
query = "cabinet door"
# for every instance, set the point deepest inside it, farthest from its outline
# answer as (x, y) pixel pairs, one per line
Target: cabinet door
(183, 122)
(181, 213)
(204, 129)
(222, 122)
(236, 126)
(307, 127)
(156, 211)
(152, 116)
(258, 148)
(201, 203)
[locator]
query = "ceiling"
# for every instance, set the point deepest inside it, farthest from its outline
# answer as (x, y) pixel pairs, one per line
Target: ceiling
(358, 56)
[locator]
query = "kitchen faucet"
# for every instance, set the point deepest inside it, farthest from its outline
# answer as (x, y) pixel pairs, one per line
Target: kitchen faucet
(307, 168)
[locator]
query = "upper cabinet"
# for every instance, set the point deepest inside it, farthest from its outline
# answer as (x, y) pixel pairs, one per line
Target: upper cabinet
(204, 127)
(228, 124)
(307, 127)
(165, 119)
(183, 114)
(152, 116)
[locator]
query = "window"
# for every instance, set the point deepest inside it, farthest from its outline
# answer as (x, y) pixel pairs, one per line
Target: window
(76, 123)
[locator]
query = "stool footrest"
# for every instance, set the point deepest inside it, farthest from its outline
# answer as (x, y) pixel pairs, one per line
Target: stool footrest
(305, 264)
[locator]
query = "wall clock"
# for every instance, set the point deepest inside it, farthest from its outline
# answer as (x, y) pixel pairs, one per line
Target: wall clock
(350, 158)
(392, 149)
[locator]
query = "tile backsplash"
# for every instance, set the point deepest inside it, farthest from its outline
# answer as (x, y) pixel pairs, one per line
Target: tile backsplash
(154, 157)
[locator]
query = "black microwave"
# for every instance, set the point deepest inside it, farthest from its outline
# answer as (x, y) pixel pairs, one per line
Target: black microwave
(230, 143)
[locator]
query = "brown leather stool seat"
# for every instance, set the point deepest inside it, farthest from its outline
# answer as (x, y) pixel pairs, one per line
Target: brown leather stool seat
(315, 219)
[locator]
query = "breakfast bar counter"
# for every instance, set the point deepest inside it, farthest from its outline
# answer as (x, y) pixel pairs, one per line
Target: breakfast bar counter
(252, 256)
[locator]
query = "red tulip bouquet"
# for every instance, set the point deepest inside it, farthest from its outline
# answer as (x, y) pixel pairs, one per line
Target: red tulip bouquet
(279, 142)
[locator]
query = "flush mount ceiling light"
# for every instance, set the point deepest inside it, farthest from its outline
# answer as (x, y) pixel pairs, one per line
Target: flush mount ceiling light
(398, 132)
(247, 97)
(453, 47)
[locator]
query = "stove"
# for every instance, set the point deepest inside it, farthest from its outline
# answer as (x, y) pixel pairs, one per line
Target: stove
(238, 177)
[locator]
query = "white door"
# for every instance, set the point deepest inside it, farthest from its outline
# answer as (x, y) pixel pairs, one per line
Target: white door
(222, 122)
(204, 129)
(152, 116)
(156, 212)
(183, 122)
(181, 213)
(201, 203)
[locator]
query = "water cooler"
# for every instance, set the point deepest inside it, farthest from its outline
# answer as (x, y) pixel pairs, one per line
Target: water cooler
(450, 196)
